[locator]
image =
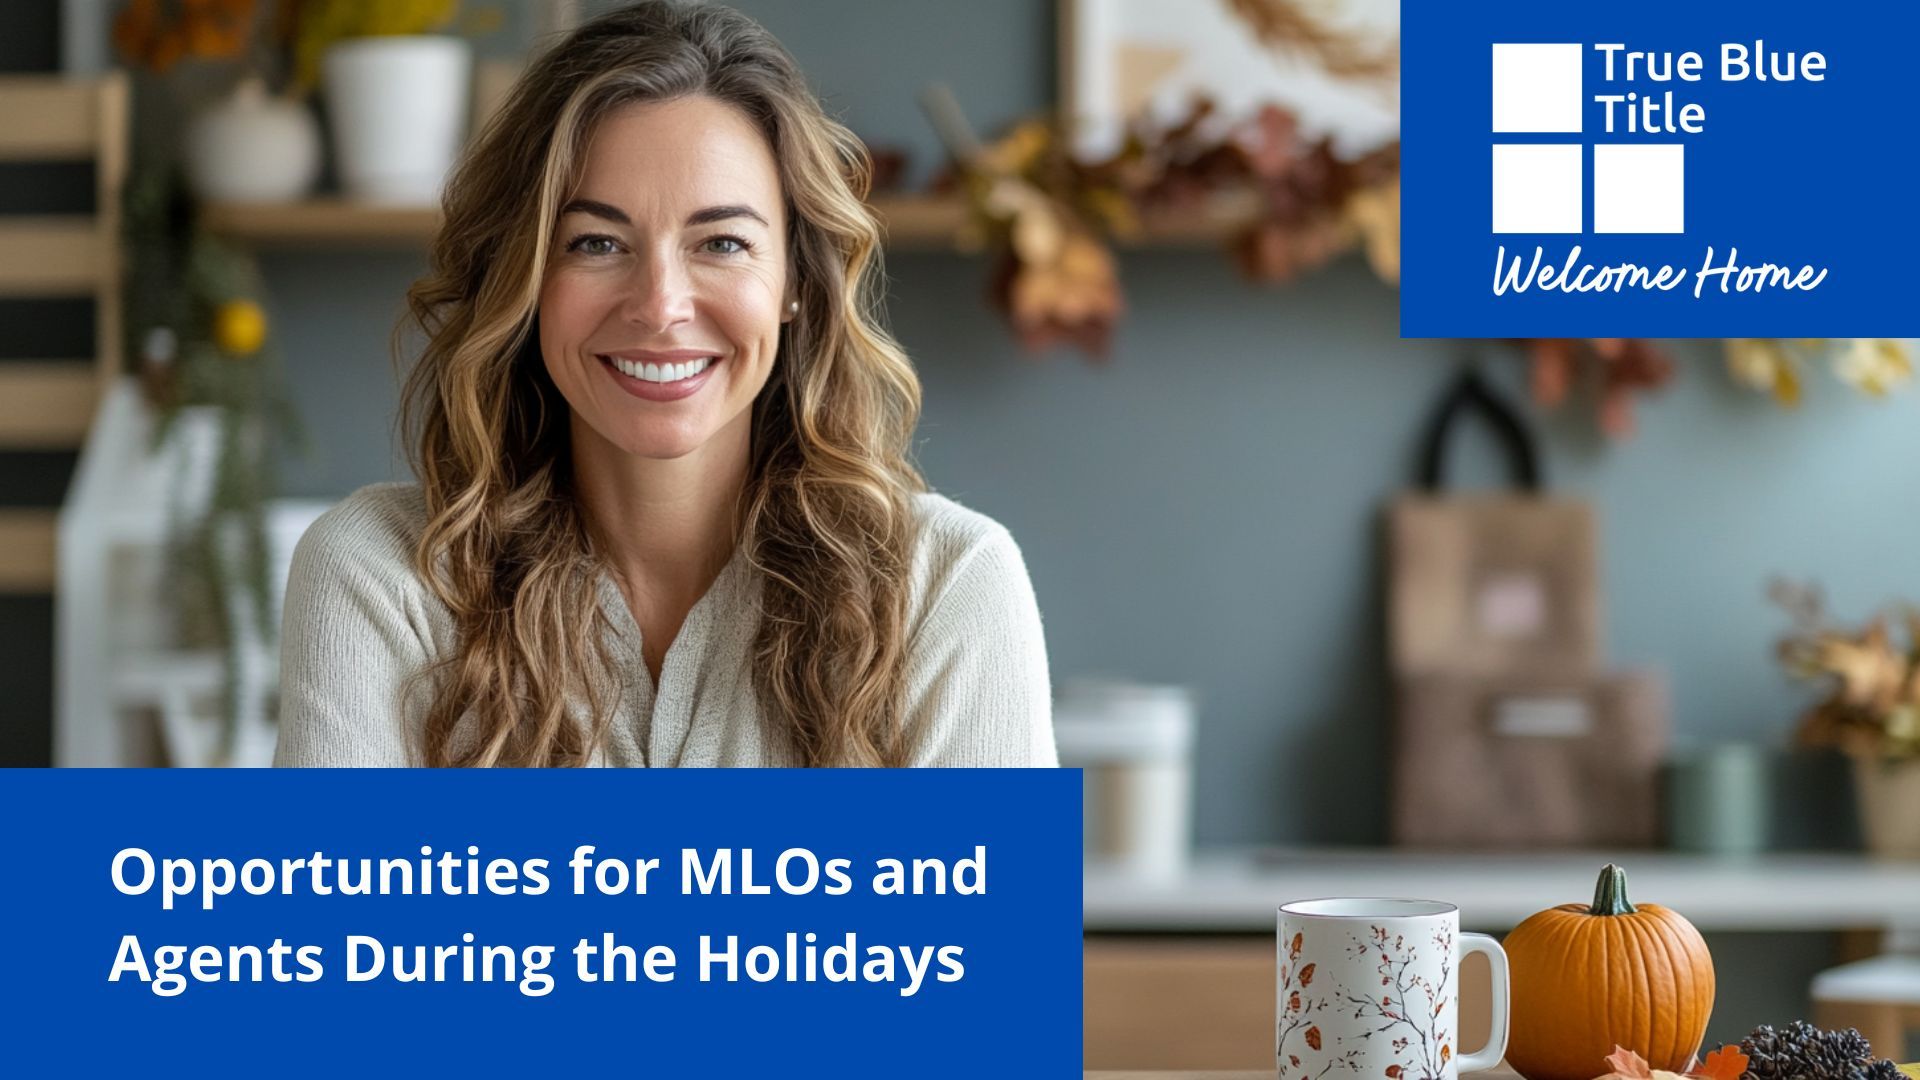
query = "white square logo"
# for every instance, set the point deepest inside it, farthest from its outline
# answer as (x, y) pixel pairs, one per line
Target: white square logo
(1537, 188)
(1536, 88)
(1639, 188)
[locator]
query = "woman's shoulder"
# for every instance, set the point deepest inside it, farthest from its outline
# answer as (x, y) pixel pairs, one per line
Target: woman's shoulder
(950, 532)
(960, 547)
(375, 530)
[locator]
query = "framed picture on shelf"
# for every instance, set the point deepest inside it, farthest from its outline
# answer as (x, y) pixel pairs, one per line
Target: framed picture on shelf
(1122, 59)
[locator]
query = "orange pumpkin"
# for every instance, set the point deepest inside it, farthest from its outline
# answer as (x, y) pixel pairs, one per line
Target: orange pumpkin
(1588, 977)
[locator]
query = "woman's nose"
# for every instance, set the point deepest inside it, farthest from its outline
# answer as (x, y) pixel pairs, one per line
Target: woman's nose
(661, 294)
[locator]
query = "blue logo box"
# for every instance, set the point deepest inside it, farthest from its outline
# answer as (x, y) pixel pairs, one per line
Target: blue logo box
(1756, 179)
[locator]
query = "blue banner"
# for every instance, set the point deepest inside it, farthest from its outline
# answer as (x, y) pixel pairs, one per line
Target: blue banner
(671, 923)
(1724, 168)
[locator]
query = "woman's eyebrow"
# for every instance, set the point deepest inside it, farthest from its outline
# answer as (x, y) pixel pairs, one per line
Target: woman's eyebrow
(706, 216)
(721, 213)
(597, 209)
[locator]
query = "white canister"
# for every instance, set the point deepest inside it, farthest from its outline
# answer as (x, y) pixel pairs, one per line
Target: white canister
(398, 111)
(253, 147)
(1135, 745)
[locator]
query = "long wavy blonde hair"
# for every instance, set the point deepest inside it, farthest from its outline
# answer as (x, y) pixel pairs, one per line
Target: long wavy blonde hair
(826, 514)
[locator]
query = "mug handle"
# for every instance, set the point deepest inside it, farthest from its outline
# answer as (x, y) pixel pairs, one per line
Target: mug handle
(1489, 1055)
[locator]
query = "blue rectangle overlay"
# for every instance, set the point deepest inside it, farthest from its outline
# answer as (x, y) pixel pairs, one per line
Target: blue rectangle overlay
(427, 922)
(1719, 168)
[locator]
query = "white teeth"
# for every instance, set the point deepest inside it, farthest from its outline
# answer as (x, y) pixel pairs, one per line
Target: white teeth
(661, 373)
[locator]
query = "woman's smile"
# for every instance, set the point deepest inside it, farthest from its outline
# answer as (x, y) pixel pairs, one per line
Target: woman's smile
(660, 376)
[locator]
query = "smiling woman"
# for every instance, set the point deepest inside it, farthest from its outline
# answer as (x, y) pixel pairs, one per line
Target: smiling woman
(666, 514)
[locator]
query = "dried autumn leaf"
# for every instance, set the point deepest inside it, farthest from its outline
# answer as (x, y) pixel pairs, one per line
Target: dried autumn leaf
(1375, 211)
(1765, 365)
(1313, 1037)
(1288, 27)
(1293, 1002)
(1306, 975)
(1394, 1071)
(1871, 669)
(1446, 1053)
(1294, 948)
(1553, 369)
(1874, 365)
(1726, 1063)
(1629, 1064)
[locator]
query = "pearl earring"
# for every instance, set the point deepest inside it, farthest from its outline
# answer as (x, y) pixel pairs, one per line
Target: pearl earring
(793, 307)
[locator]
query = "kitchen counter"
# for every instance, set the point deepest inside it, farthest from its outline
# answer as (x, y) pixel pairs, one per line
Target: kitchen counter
(1235, 890)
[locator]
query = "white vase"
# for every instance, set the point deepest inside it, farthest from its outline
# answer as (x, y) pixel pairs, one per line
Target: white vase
(398, 109)
(252, 147)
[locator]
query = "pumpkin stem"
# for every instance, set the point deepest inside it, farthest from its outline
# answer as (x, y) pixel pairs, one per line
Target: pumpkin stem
(1610, 894)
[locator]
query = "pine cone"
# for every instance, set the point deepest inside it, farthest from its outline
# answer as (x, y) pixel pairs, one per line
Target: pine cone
(1835, 1054)
(1768, 1055)
(1852, 1046)
(1804, 1052)
(1883, 1069)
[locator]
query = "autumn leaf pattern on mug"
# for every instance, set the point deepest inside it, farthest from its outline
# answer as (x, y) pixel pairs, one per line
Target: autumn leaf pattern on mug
(1401, 1017)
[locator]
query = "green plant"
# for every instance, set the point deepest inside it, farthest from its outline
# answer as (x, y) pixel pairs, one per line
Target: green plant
(197, 322)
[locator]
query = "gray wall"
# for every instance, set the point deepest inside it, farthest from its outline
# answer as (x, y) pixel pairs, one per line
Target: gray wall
(1203, 509)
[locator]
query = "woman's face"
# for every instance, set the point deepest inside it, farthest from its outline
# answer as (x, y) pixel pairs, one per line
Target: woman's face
(667, 281)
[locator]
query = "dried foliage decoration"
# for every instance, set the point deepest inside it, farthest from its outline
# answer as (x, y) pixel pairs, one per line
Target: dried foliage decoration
(1622, 368)
(1776, 366)
(1283, 202)
(1873, 676)
(1284, 26)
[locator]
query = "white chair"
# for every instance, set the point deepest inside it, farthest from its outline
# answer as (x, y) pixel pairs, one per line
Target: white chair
(117, 670)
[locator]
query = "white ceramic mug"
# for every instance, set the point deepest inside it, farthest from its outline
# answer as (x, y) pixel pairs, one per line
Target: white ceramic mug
(1369, 989)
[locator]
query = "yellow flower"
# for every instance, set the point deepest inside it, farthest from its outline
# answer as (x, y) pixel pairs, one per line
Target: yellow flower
(1874, 365)
(239, 328)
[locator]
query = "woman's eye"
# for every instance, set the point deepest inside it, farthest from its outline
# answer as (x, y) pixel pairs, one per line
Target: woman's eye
(592, 244)
(726, 245)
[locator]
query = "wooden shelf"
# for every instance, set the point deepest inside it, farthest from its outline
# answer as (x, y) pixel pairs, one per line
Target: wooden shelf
(922, 222)
(322, 223)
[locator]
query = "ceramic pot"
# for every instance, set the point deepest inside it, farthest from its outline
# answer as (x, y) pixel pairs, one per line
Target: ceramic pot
(252, 147)
(398, 110)
(1889, 794)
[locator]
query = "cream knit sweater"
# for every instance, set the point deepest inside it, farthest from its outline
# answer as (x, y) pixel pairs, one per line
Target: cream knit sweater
(359, 622)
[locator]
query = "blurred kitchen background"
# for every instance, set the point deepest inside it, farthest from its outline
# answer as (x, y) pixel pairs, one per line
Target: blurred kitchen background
(1177, 380)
